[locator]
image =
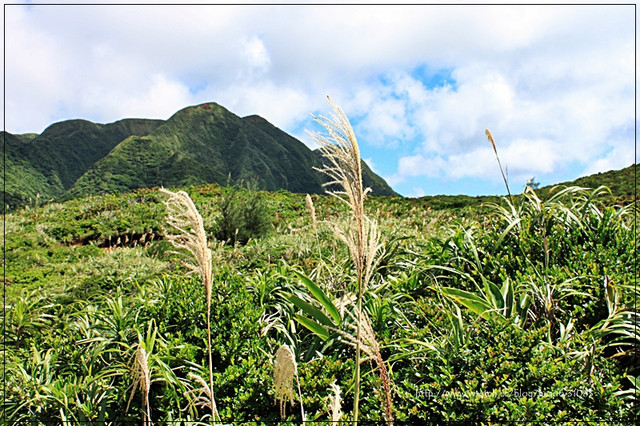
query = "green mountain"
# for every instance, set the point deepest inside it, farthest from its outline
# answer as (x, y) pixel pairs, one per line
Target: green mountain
(47, 165)
(209, 144)
(24, 179)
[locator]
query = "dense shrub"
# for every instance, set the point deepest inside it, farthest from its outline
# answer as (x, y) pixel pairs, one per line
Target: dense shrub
(244, 214)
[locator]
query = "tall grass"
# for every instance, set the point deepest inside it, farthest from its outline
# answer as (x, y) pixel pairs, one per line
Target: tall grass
(285, 371)
(361, 235)
(189, 235)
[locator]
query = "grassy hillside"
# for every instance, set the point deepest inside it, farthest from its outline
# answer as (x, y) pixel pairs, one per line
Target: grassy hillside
(49, 164)
(622, 183)
(480, 316)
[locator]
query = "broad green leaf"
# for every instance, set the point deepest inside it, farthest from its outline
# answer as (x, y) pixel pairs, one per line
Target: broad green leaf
(310, 310)
(507, 296)
(319, 295)
(471, 301)
(313, 326)
(493, 294)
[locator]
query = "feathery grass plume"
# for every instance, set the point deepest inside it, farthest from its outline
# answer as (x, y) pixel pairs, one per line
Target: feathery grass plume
(493, 144)
(285, 370)
(204, 397)
(362, 237)
(184, 218)
(312, 212)
(335, 403)
(141, 381)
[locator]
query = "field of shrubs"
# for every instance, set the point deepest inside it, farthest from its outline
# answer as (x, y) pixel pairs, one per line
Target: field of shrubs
(522, 310)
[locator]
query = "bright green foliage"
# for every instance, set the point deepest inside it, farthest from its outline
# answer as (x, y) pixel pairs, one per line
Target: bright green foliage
(244, 214)
(522, 311)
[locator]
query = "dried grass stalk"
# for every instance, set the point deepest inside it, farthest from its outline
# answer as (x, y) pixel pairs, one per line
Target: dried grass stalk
(335, 403)
(285, 370)
(204, 396)
(370, 347)
(344, 169)
(189, 235)
(312, 212)
(493, 144)
(141, 381)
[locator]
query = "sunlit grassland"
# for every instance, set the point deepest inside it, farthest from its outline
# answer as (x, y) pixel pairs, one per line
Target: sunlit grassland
(518, 311)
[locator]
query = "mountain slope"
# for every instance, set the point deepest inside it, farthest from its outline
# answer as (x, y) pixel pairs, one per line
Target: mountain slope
(24, 180)
(70, 148)
(50, 163)
(209, 144)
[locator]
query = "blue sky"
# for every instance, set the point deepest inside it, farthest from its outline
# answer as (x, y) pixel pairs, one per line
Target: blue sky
(420, 83)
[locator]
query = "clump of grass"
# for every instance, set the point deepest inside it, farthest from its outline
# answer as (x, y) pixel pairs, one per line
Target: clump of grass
(141, 381)
(189, 235)
(312, 212)
(285, 370)
(362, 237)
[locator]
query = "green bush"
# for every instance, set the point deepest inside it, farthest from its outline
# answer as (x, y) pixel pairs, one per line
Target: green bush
(244, 215)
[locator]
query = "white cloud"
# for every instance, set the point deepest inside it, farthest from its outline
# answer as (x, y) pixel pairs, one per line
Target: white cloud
(256, 55)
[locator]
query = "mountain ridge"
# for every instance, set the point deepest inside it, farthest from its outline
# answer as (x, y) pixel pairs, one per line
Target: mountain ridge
(198, 144)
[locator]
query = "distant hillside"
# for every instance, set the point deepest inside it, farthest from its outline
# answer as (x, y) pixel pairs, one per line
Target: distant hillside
(25, 180)
(209, 144)
(197, 145)
(50, 163)
(623, 183)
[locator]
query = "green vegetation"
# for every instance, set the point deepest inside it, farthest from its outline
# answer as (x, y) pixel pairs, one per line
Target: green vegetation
(622, 183)
(49, 164)
(520, 311)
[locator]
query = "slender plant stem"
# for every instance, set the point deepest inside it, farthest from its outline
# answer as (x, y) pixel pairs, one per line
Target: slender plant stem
(214, 411)
(356, 398)
(300, 396)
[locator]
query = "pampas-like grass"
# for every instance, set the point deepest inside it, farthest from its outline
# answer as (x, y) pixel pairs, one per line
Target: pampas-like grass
(141, 381)
(285, 370)
(495, 150)
(204, 397)
(335, 403)
(184, 218)
(370, 347)
(344, 170)
(189, 235)
(362, 237)
(312, 212)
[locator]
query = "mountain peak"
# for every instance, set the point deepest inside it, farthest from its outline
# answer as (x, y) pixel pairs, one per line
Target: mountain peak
(199, 144)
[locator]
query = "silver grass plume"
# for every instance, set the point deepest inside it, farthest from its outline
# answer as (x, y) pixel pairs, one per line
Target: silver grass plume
(184, 218)
(285, 370)
(344, 169)
(141, 381)
(189, 235)
(335, 403)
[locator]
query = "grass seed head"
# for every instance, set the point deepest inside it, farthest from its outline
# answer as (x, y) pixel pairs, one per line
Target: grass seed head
(335, 403)
(188, 234)
(285, 369)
